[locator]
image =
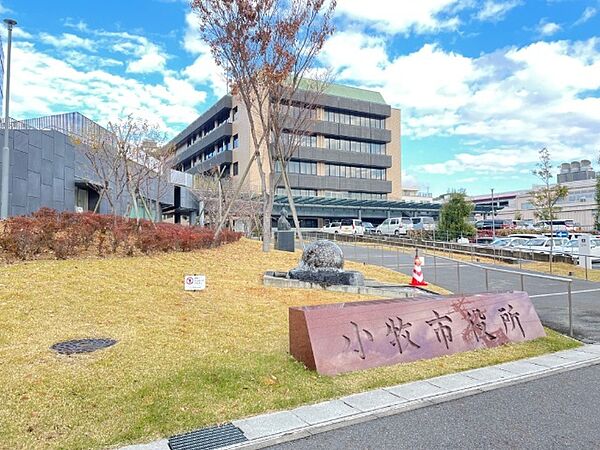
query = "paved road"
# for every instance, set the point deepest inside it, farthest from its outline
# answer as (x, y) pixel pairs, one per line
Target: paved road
(549, 297)
(556, 412)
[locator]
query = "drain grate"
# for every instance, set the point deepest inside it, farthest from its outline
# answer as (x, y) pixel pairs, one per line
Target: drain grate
(208, 438)
(82, 346)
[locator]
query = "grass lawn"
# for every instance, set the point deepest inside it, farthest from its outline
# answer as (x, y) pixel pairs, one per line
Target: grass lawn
(183, 360)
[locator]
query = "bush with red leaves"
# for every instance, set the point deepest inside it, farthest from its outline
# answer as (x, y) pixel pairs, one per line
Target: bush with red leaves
(68, 234)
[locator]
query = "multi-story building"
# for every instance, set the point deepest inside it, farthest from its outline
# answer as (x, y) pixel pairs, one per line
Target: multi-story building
(350, 150)
(353, 150)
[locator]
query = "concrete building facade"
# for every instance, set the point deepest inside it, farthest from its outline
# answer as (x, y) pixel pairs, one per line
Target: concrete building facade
(351, 149)
(48, 169)
(579, 205)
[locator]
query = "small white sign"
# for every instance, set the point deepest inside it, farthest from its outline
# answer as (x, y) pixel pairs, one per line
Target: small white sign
(194, 282)
(422, 259)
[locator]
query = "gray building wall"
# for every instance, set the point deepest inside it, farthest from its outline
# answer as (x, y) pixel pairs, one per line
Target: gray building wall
(44, 168)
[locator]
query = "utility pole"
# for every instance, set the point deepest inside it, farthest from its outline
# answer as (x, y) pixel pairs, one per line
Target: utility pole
(10, 23)
(493, 217)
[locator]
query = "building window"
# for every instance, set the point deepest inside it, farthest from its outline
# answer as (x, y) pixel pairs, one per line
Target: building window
(373, 148)
(367, 173)
(360, 120)
(234, 113)
(301, 167)
(298, 192)
(81, 198)
(236, 141)
(235, 169)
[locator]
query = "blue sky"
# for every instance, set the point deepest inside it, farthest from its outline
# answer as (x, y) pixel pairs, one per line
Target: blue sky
(482, 84)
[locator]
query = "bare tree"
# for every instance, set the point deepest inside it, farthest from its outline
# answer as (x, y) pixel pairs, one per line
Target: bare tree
(545, 198)
(268, 48)
(104, 164)
(127, 157)
(215, 190)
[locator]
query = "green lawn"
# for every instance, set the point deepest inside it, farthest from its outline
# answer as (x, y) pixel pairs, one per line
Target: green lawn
(183, 360)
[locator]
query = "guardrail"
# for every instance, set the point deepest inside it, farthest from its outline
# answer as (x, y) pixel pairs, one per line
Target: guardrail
(409, 247)
(511, 256)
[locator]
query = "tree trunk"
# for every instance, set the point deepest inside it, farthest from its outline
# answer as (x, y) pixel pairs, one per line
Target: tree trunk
(288, 190)
(267, 212)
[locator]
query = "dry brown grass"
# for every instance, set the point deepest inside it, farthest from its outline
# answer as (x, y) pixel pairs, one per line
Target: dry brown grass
(183, 360)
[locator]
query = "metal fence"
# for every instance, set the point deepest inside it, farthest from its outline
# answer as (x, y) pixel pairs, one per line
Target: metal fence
(376, 249)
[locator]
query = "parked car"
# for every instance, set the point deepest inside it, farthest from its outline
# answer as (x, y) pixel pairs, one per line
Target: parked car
(423, 223)
(332, 227)
(490, 224)
(557, 225)
(352, 226)
(369, 228)
(572, 249)
(525, 236)
(523, 224)
(544, 245)
(485, 240)
(395, 226)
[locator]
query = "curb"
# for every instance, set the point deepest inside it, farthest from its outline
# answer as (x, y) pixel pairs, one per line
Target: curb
(274, 428)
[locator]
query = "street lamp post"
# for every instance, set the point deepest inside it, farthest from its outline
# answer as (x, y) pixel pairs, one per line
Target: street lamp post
(493, 217)
(10, 23)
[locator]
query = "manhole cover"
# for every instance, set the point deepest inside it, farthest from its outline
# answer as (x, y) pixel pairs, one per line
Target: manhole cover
(82, 346)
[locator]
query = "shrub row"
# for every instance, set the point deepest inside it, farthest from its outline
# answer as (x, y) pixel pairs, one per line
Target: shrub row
(69, 234)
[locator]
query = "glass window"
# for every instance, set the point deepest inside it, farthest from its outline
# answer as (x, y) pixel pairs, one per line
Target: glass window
(236, 141)
(235, 169)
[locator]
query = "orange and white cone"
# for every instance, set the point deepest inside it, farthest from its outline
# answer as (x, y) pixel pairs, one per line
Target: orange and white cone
(417, 276)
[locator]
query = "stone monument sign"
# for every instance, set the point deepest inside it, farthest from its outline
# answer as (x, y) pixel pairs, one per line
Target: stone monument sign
(344, 337)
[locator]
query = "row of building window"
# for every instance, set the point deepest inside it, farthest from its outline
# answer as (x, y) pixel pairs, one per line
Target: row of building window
(367, 173)
(355, 146)
(301, 167)
(355, 195)
(298, 192)
(302, 140)
(361, 120)
(209, 153)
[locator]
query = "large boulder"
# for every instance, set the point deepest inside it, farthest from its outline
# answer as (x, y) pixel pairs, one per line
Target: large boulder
(322, 254)
(323, 263)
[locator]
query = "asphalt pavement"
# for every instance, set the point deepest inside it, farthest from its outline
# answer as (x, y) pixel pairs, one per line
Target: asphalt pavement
(555, 412)
(550, 297)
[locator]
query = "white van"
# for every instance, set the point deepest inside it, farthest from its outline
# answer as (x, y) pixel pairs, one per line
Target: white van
(395, 226)
(423, 223)
(352, 226)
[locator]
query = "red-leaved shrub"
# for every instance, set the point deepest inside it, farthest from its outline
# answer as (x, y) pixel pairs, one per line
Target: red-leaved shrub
(68, 234)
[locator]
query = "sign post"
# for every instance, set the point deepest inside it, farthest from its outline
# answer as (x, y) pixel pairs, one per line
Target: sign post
(194, 282)
(585, 251)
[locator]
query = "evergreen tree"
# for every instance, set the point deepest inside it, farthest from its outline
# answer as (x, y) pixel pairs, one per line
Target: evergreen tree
(454, 217)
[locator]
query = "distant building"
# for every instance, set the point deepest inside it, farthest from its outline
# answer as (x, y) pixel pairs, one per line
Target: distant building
(415, 195)
(580, 205)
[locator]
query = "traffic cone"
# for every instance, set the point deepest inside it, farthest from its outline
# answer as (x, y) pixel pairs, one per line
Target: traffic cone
(417, 276)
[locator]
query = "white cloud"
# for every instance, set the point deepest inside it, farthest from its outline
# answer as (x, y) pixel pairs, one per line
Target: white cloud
(66, 40)
(542, 94)
(548, 28)
(46, 85)
(395, 16)
(496, 10)
(587, 14)
(203, 70)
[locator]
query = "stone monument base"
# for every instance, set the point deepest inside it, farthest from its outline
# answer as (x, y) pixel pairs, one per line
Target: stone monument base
(284, 241)
(330, 277)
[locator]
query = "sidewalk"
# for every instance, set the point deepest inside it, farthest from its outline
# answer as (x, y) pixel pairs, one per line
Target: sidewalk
(273, 428)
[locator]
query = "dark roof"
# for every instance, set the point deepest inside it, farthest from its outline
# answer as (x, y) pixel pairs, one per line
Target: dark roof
(353, 203)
